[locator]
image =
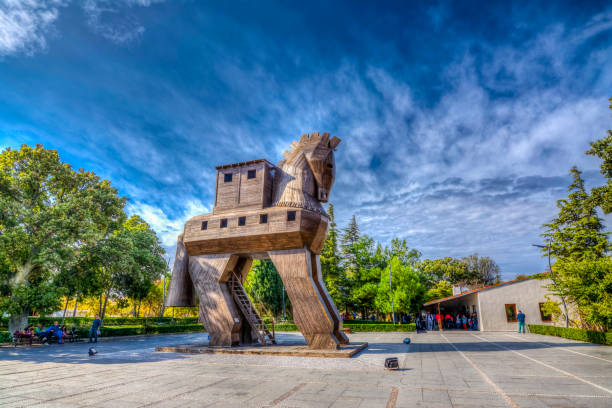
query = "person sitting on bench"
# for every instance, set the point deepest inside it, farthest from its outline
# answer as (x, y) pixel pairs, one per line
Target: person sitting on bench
(27, 333)
(56, 331)
(42, 334)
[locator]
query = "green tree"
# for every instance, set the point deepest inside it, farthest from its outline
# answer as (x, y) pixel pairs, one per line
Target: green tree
(147, 263)
(602, 148)
(408, 288)
(588, 284)
(484, 270)
(47, 212)
(451, 270)
(350, 237)
(265, 286)
(439, 290)
(576, 233)
(333, 274)
(127, 263)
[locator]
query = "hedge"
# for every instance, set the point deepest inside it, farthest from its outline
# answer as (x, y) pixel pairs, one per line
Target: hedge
(359, 327)
(125, 330)
(110, 321)
(590, 336)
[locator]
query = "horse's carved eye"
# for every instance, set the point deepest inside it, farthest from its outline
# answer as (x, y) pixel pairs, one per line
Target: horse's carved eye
(331, 166)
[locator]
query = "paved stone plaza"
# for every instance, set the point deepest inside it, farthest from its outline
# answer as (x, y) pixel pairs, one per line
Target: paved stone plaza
(437, 370)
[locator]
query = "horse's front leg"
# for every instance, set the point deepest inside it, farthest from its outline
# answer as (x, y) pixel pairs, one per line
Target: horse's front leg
(299, 271)
(218, 311)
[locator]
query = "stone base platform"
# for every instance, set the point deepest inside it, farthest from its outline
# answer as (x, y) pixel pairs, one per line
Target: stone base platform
(345, 351)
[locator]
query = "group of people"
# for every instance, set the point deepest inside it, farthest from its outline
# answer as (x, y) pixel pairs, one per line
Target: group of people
(61, 333)
(438, 321)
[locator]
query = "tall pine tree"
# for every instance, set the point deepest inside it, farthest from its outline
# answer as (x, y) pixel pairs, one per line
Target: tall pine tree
(330, 263)
(602, 148)
(350, 237)
(576, 233)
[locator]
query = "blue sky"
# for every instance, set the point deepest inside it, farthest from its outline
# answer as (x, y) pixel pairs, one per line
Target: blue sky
(459, 121)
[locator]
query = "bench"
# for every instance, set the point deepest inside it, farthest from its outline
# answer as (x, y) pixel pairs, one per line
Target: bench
(20, 338)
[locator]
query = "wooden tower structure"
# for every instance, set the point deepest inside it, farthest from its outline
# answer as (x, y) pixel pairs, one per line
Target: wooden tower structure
(262, 211)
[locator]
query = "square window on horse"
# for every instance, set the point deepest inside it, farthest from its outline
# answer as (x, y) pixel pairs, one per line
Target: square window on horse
(223, 223)
(242, 221)
(263, 218)
(290, 215)
(227, 178)
(251, 174)
(204, 225)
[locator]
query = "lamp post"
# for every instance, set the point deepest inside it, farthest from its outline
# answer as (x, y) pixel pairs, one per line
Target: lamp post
(552, 278)
(391, 290)
(167, 260)
(284, 303)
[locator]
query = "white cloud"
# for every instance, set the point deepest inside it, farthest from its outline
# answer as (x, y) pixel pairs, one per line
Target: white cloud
(24, 24)
(167, 228)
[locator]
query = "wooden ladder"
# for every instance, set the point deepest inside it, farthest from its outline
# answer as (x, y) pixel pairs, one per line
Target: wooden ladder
(244, 303)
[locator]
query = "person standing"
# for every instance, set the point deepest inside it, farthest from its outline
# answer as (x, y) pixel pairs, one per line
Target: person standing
(95, 327)
(520, 317)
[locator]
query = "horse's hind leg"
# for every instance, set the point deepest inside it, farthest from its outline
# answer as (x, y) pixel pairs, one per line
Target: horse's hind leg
(299, 270)
(180, 292)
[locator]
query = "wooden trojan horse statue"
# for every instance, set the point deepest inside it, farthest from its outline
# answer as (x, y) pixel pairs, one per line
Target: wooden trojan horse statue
(262, 211)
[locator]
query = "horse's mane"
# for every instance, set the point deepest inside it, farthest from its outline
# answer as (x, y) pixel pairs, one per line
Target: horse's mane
(308, 143)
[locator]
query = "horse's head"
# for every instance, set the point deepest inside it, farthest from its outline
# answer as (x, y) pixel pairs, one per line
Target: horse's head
(319, 152)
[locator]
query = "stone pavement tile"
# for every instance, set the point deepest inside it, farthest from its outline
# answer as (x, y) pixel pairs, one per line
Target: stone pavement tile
(429, 404)
(468, 399)
(347, 402)
(115, 403)
(529, 402)
(13, 399)
(576, 402)
(316, 397)
(408, 397)
(296, 403)
(436, 396)
(25, 402)
(374, 403)
(367, 392)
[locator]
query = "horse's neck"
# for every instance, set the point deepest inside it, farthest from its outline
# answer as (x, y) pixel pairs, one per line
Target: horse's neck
(294, 185)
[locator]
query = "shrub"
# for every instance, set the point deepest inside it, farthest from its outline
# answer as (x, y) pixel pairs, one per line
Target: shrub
(359, 327)
(5, 337)
(590, 336)
(108, 321)
(381, 327)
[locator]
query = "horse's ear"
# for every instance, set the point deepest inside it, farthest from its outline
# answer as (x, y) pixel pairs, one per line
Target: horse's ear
(335, 141)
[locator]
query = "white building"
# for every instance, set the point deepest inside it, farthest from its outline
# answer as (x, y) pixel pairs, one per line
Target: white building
(497, 306)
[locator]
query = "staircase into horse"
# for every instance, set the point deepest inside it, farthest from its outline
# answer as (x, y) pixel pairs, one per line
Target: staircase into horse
(247, 308)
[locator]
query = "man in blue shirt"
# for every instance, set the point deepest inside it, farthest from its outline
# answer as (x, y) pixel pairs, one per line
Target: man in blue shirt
(95, 326)
(521, 321)
(55, 331)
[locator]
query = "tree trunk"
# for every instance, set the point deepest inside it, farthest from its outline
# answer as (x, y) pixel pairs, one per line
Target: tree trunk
(100, 305)
(76, 302)
(65, 308)
(18, 322)
(138, 310)
(104, 308)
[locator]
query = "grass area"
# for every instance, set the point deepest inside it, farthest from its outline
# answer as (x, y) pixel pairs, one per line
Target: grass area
(573, 334)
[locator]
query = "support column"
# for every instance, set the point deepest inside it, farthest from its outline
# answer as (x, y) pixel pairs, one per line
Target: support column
(218, 312)
(300, 272)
